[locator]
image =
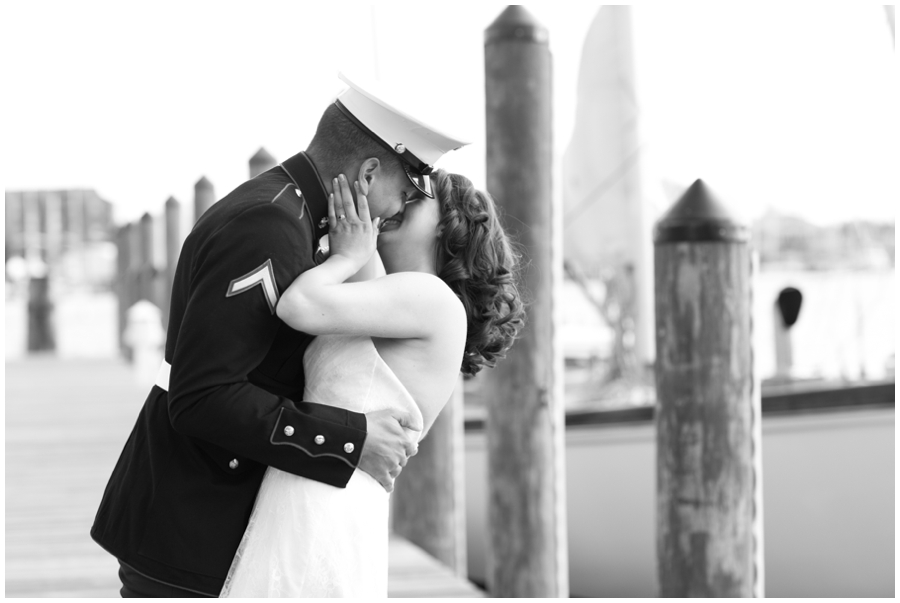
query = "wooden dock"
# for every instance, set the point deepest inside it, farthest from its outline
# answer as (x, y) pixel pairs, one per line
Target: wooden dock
(66, 423)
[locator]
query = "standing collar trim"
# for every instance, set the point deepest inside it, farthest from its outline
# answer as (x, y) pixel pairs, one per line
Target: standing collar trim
(304, 174)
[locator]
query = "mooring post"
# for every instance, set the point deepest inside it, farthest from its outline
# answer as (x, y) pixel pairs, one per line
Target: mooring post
(40, 311)
(133, 280)
(787, 310)
(525, 421)
(707, 410)
(204, 197)
(123, 274)
(261, 162)
(173, 248)
(429, 496)
(146, 270)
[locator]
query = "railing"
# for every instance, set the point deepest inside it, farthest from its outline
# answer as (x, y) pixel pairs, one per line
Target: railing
(776, 401)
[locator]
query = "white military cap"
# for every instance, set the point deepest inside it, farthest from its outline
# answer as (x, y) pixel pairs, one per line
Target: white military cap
(417, 144)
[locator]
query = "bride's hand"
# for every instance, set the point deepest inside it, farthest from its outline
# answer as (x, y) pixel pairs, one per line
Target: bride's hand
(351, 234)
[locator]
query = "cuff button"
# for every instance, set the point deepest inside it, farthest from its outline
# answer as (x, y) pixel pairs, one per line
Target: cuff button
(319, 440)
(233, 464)
(348, 447)
(288, 431)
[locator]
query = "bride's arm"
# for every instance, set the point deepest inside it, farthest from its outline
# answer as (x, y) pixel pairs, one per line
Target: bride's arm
(404, 305)
(373, 269)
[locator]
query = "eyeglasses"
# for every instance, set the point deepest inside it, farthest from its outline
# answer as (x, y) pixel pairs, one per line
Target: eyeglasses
(422, 182)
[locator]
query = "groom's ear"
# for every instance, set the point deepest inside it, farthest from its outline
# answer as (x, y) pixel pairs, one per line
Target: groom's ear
(368, 171)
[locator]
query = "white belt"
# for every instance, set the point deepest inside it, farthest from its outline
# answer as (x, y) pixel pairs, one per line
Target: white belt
(162, 376)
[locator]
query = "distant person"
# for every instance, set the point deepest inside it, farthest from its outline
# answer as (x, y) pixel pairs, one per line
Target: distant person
(447, 303)
(229, 398)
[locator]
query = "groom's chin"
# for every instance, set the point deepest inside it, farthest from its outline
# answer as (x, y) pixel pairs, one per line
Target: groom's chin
(390, 226)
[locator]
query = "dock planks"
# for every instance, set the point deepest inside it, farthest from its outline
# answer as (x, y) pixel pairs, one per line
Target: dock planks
(66, 423)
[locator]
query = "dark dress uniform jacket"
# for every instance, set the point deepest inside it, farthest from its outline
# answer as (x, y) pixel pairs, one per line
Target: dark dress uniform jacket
(182, 491)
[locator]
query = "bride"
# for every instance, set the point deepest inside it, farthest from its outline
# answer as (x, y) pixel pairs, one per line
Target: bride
(389, 336)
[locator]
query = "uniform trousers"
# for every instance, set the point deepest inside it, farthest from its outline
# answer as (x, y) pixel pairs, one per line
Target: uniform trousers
(136, 585)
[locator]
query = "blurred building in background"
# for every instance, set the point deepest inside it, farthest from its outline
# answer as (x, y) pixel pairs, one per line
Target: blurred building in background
(60, 266)
(49, 221)
(785, 241)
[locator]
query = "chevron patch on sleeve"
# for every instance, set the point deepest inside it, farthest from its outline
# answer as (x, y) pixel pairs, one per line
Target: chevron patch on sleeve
(264, 276)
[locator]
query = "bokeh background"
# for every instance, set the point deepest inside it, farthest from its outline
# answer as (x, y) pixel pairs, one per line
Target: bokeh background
(788, 112)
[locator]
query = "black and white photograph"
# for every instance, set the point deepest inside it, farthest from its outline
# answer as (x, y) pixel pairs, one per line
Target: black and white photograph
(435, 300)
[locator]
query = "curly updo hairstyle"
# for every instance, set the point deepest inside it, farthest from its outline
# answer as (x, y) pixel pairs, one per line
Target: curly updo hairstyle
(478, 262)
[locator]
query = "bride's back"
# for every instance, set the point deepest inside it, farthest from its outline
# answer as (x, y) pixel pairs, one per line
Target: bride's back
(428, 369)
(428, 366)
(363, 374)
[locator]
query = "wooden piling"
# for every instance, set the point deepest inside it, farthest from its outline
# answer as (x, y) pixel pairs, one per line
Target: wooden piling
(707, 409)
(261, 162)
(146, 269)
(525, 421)
(123, 274)
(173, 248)
(135, 264)
(429, 496)
(204, 197)
(40, 315)
(786, 310)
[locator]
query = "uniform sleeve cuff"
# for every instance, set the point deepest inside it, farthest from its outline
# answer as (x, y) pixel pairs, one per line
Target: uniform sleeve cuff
(321, 438)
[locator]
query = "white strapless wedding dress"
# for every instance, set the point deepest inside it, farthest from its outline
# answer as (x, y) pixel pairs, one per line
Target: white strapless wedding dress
(308, 539)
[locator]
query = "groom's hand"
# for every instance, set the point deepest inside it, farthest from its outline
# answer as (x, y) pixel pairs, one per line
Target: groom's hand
(392, 438)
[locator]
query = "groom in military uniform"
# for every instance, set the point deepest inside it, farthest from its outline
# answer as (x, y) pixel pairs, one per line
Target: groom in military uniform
(228, 399)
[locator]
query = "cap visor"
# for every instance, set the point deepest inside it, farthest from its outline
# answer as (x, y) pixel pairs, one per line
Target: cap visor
(420, 181)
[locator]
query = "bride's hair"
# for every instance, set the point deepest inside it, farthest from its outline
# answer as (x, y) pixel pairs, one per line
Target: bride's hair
(478, 262)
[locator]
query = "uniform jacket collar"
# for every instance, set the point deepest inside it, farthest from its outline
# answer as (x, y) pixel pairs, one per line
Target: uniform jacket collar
(302, 171)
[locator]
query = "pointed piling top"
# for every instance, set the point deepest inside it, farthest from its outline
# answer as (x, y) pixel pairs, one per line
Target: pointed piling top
(261, 162)
(699, 216)
(171, 201)
(262, 156)
(516, 23)
(203, 183)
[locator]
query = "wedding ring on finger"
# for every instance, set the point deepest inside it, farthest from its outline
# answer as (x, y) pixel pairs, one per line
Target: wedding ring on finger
(342, 217)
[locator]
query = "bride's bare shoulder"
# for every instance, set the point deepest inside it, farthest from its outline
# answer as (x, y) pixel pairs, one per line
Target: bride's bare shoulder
(425, 285)
(429, 294)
